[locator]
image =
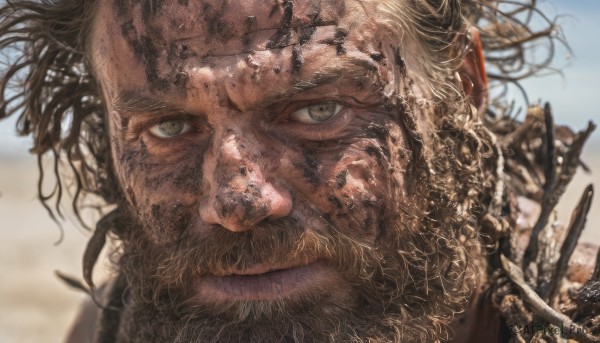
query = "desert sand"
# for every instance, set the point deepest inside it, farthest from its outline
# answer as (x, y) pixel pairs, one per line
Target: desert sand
(36, 307)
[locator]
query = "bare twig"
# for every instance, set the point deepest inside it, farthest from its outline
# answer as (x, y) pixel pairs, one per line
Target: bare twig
(542, 309)
(547, 204)
(575, 228)
(548, 256)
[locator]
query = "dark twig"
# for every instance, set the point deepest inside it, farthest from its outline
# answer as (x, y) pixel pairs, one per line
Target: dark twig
(571, 160)
(547, 205)
(542, 309)
(575, 228)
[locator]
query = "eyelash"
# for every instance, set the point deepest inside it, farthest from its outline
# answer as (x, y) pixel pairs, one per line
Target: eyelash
(281, 115)
(146, 125)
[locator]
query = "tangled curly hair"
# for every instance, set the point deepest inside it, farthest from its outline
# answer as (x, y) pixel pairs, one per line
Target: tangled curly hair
(49, 84)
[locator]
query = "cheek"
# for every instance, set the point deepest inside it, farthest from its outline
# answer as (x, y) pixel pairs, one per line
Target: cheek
(353, 183)
(162, 190)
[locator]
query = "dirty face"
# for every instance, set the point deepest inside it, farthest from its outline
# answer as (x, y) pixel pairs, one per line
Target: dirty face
(262, 148)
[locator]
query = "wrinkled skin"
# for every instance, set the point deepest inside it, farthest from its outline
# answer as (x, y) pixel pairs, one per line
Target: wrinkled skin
(246, 160)
(249, 174)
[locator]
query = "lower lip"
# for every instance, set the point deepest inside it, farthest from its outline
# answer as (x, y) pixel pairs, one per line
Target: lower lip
(268, 286)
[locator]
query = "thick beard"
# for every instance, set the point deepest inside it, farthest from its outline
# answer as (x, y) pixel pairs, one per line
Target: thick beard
(406, 286)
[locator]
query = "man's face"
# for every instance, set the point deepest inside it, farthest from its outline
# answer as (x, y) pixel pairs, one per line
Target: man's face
(262, 150)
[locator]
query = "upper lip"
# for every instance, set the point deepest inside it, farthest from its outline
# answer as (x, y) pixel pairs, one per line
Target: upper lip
(259, 269)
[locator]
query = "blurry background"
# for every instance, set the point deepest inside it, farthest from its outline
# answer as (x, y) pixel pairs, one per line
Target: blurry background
(36, 307)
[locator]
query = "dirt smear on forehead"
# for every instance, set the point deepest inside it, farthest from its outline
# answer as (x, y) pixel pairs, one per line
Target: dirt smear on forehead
(163, 35)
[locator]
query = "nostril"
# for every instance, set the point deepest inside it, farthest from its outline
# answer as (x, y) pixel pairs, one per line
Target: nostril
(280, 200)
(241, 210)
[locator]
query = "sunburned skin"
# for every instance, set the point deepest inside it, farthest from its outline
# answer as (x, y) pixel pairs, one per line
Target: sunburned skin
(237, 84)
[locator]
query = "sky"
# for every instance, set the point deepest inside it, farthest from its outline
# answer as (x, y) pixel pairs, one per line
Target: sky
(574, 96)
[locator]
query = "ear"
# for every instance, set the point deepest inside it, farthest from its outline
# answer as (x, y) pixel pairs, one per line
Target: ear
(472, 73)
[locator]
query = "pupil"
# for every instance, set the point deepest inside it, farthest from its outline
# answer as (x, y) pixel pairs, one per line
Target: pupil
(171, 128)
(322, 112)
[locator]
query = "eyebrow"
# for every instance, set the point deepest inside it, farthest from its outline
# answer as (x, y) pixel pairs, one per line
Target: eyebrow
(135, 102)
(354, 68)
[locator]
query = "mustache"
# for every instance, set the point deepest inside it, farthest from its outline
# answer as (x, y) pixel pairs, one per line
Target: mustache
(218, 251)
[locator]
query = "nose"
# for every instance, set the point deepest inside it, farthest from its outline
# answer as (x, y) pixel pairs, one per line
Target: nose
(241, 191)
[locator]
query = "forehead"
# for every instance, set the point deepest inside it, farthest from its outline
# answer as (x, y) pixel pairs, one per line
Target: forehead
(259, 24)
(165, 45)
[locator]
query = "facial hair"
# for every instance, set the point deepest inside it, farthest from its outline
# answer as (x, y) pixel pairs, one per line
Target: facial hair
(402, 289)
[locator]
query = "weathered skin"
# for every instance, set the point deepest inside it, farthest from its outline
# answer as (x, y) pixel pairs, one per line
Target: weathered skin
(246, 159)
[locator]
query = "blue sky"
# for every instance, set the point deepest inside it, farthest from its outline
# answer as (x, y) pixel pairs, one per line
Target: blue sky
(575, 97)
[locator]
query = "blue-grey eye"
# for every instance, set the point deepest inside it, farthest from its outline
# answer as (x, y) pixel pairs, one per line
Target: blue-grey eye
(169, 129)
(317, 113)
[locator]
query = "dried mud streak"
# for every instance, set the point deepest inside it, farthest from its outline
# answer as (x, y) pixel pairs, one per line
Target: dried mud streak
(274, 9)
(176, 56)
(250, 24)
(373, 151)
(400, 61)
(150, 8)
(249, 202)
(338, 41)
(307, 32)
(296, 59)
(216, 25)
(144, 48)
(377, 131)
(310, 168)
(178, 53)
(335, 201)
(129, 32)
(150, 55)
(340, 179)
(281, 37)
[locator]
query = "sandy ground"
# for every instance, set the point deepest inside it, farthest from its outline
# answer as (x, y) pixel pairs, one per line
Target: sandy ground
(36, 307)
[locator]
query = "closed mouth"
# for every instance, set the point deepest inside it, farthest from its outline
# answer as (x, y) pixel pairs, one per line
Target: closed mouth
(261, 283)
